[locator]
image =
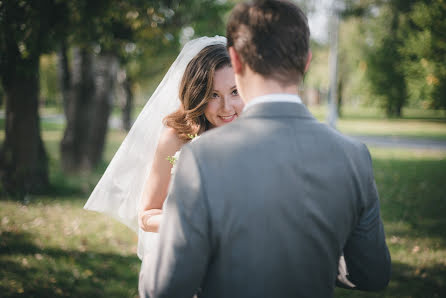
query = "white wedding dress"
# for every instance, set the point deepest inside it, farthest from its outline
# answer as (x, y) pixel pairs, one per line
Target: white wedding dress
(119, 191)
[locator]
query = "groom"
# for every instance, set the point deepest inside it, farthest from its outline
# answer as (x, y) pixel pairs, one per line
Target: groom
(265, 206)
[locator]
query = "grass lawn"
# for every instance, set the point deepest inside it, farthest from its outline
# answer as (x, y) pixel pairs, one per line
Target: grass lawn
(426, 124)
(51, 247)
(412, 188)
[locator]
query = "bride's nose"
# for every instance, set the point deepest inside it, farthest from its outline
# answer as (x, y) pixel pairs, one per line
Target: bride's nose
(226, 104)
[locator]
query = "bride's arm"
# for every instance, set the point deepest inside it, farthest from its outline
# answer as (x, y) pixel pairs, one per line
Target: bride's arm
(156, 187)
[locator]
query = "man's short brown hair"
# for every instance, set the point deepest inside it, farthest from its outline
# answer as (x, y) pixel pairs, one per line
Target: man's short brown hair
(271, 37)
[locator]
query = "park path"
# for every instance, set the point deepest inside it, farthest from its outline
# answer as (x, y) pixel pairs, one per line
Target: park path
(374, 141)
(401, 142)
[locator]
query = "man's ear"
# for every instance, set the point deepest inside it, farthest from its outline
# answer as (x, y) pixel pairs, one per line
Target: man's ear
(236, 62)
(307, 64)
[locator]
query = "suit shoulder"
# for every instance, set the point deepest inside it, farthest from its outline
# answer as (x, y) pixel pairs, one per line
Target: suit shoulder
(346, 140)
(216, 139)
(226, 132)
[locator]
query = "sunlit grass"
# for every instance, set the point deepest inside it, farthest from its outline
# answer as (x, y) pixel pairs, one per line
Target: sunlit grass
(373, 112)
(426, 124)
(51, 247)
(400, 128)
(413, 204)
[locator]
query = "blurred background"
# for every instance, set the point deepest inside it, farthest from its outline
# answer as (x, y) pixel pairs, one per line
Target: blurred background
(75, 74)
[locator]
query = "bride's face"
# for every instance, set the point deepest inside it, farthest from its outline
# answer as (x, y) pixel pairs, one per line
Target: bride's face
(225, 104)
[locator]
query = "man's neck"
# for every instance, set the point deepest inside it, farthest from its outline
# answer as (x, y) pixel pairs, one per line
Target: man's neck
(255, 85)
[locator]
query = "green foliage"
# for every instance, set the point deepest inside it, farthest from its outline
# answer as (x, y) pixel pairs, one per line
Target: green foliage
(128, 29)
(144, 35)
(172, 160)
(352, 65)
(28, 29)
(406, 50)
(317, 75)
(385, 63)
(205, 17)
(425, 52)
(49, 81)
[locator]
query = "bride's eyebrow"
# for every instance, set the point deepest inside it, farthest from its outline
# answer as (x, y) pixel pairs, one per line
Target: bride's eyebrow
(234, 87)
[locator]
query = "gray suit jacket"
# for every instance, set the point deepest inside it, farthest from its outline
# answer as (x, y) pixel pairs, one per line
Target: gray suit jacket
(264, 207)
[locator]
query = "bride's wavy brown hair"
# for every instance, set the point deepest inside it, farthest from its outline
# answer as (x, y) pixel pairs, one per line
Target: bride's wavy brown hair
(195, 91)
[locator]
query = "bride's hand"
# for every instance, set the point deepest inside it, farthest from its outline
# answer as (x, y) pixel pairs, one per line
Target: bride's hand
(149, 220)
(343, 273)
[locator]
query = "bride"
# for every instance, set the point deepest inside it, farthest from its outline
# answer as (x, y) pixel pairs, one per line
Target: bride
(197, 93)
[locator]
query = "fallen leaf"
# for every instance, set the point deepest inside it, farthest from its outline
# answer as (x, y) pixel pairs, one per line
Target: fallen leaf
(394, 239)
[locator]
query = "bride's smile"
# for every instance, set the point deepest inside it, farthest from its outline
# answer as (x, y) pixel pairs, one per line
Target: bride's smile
(229, 118)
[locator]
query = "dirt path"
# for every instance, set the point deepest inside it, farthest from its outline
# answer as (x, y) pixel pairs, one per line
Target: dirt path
(401, 142)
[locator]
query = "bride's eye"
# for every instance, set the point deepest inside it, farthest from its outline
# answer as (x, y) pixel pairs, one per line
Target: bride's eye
(235, 92)
(214, 95)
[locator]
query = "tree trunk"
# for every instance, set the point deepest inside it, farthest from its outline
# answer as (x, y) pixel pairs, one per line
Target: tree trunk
(106, 68)
(1, 96)
(23, 160)
(340, 94)
(89, 99)
(79, 102)
(64, 74)
(128, 104)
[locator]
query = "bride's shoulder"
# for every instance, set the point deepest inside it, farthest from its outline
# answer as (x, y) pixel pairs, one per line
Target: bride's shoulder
(169, 141)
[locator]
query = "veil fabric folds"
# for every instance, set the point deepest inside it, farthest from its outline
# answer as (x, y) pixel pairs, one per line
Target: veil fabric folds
(119, 191)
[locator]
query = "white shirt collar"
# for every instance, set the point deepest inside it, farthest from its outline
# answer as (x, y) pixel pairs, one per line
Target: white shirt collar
(276, 97)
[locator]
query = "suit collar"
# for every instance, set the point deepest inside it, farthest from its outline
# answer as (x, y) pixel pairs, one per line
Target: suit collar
(277, 109)
(273, 97)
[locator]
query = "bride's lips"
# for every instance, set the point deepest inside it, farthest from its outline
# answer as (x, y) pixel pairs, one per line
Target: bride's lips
(228, 118)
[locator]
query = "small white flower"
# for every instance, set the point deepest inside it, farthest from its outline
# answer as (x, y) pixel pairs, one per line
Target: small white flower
(174, 164)
(196, 137)
(173, 159)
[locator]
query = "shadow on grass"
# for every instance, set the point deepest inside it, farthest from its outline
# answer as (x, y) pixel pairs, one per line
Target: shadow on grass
(62, 186)
(31, 271)
(65, 185)
(412, 193)
(413, 206)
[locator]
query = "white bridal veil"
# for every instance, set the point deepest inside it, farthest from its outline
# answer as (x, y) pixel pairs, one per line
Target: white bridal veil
(119, 191)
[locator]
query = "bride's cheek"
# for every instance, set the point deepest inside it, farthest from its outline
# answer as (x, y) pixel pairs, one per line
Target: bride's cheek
(240, 106)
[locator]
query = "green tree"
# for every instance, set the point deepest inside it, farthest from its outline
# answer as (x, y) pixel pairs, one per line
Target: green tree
(352, 83)
(105, 36)
(385, 64)
(383, 20)
(27, 29)
(405, 51)
(424, 52)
